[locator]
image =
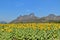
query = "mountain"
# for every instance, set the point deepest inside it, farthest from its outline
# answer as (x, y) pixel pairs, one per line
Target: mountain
(51, 18)
(3, 22)
(26, 18)
(32, 18)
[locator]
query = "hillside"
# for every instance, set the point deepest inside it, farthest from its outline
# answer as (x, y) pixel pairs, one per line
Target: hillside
(32, 18)
(3, 22)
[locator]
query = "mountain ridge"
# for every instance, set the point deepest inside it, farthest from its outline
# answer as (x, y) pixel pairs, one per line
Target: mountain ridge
(32, 18)
(3, 22)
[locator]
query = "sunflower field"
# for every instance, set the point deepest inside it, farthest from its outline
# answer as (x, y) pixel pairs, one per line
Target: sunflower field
(30, 31)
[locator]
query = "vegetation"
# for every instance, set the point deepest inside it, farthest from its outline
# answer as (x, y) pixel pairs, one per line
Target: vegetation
(30, 31)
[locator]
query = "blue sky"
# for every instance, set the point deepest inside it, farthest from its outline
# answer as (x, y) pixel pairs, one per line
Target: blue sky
(11, 9)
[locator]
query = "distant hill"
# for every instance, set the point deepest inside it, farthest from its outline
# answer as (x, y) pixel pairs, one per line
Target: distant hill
(26, 18)
(3, 22)
(32, 18)
(51, 18)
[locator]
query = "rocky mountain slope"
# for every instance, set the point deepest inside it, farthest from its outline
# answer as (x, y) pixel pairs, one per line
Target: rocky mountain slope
(32, 18)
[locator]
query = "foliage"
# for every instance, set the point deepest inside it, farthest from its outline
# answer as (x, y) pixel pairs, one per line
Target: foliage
(30, 31)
